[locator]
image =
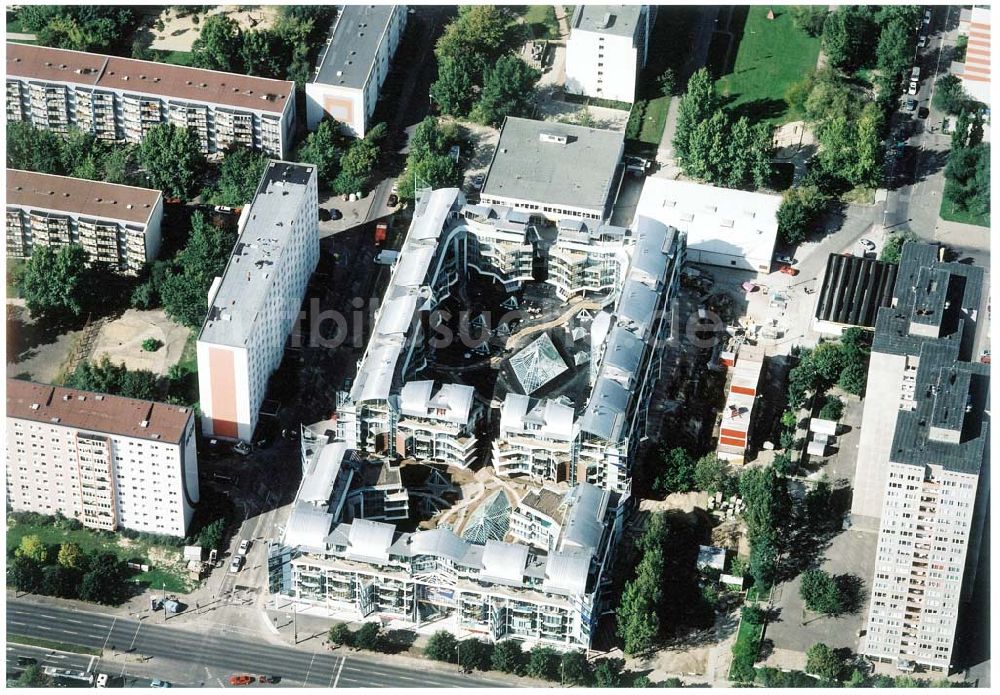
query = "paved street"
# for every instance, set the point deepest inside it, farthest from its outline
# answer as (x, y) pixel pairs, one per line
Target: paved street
(209, 655)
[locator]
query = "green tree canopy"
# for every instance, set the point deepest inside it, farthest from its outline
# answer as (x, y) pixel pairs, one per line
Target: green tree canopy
(34, 677)
(114, 379)
(367, 637)
(824, 662)
(106, 582)
(340, 634)
(70, 555)
(171, 159)
(357, 166)
(454, 91)
(713, 475)
(696, 106)
(677, 472)
(218, 45)
(801, 209)
(949, 95)
(239, 175)
(507, 91)
(809, 18)
(507, 656)
(442, 646)
(56, 284)
(25, 574)
(574, 669)
(324, 147)
(32, 547)
(185, 286)
(212, 535)
(543, 662)
(849, 37)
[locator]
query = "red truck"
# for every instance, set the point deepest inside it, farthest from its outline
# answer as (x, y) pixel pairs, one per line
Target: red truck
(381, 230)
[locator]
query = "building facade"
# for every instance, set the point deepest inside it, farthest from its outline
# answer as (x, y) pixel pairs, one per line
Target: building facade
(537, 439)
(975, 72)
(118, 226)
(607, 49)
(108, 461)
(255, 305)
(439, 424)
(738, 414)
(353, 66)
(121, 99)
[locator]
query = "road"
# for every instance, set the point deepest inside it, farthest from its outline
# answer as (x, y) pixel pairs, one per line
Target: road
(209, 657)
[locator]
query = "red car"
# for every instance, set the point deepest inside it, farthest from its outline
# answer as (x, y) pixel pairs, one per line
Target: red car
(788, 270)
(240, 680)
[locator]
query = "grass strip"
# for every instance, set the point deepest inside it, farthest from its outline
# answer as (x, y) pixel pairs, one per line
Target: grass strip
(52, 644)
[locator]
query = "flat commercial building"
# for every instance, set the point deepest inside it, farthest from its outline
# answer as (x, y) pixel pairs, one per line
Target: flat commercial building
(121, 99)
(108, 461)
(555, 170)
(352, 68)
(118, 226)
(607, 49)
(254, 306)
(724, 226)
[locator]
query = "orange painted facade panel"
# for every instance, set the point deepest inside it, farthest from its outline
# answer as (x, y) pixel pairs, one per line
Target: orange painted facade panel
(728, 441)
(726, 432)
(743, 390)
(222, 373)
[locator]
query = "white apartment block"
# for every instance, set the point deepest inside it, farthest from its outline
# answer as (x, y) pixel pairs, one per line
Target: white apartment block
(607, 49)
(118, 226)
(538, 518)
(254, 306)
(586, 258)
(555, 170)
(537, 438)
(976, 73)
(121, 99)
(108, 461)
(352, 67)
(367, 570)
(438, 424)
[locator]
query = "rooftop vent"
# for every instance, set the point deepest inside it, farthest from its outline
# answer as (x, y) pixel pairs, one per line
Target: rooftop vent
(34, 406)
(606, 20)
(99, 397)
(81, 398)
(144, 424)
(55, 419)
(553, 137)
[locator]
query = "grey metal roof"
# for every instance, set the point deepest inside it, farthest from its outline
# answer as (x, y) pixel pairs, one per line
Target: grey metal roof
(614, 20)
(567, 572)
(653, 243)
(370, 539)
(579, 173)
(439, 542)
(307, 527)
(950, 395)
(320, 479)
(854, 288)
(350, 56)
(585, 520)
(636, 306)
(504, 562)
(622, 355)
(605, 413)
(269, 229)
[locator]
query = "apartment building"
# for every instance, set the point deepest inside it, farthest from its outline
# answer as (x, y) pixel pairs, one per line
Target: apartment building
(933, 514)
(537, 438)
(546, 515)
(369, 570)
(586, 258)
(352, 67)
(975, 71)
(607, 49)
(555, 170)
(724, 226)
(118, 226)
(121, 99)
(438, 423)
(627, 347)
(108, 461)
(254, 306)
(737, 417)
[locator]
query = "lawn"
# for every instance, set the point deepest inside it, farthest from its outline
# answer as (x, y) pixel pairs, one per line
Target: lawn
(654, 120)
(90, 541)
(772, 55)
(542, 21)
(952, 214)
(173, 57)
(747, 640)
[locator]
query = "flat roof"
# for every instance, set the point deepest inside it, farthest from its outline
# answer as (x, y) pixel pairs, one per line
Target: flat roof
(247, 279)
(348, 59)
(80, 196)
(147, 77)
(96, 412)
(854, 288)
(578, 173)
(717, 220)
(614, 20)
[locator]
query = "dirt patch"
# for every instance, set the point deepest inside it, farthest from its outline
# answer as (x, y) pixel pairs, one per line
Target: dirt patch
(179, 33)
(33, 351)
(121, 340)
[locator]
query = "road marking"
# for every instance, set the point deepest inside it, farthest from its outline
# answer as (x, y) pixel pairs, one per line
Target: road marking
(339, 671)
(71, 632)
(70, 620)
(50, 617)
(305, 680)
(42, 627)
(90, 666)
(15, 622)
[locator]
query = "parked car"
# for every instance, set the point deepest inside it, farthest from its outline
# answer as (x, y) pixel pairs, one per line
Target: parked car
(237, 564)
(455, 152)
(922, 41)
(267, 679)
(393, 200)
(242, 448)
(913, 88)
(26, 661)
(478, 181)
(788, 270)
(244, 546)
(866, 244)
(157, 683)
(923, 112)
(225, 209)
(787, 260)
(324, 215)
(335, 214)
(241, 679)
(927, 17)
(911, 105)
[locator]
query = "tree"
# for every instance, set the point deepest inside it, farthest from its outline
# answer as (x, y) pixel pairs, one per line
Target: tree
(507, 656)
(324, 148)
(895, 49)
(753, 615)
(809, 18)
(211, 536)
(833, 409)
(454, 90)
(81, 28)
(641, 682)
(677, 472)
(608, 673)
(474, 654)
(435, 171)
(106, 582)
(117, 380)
(574, 668)
(171, 158)
(33, 149)
(480, 30)
(543, 662)
(893, 247)
(367, 637)
(442, 646)
(34, 677)
(33, 548)
(849, 35)
(801, 209)
(867, 169)
(357, 167)
(340, 635)
(218, 45)
(60, 581)
(637, 614)
(70, 556)
(695, 107)
(824, 662)
(766, 507)
(507, 91)
(265, 52)
(949, 95)
(713, 475)
(239, 175)
(823, 594)
(55, 283)
(828, 361)
(184, 286)
(25, 574)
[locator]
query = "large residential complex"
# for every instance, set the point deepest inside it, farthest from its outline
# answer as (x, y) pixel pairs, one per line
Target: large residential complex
(555, 170)
(975, 71)
(607, 49)
(118, 226)
(121, 99)
(724, 226)
(353, 66)
(108, 461)
(921, 475)
(254, 306)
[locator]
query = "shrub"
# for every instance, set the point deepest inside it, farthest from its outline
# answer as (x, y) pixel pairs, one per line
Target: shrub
(753, 614)
(442, 646)
(833, 409)
(151, 344)
(340, 634)
(367, 637)
(507, 656)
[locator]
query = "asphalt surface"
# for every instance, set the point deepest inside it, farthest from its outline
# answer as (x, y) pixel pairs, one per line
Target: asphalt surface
(201, 658)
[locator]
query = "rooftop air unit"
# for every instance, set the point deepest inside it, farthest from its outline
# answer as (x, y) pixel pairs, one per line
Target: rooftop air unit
(552, 137)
